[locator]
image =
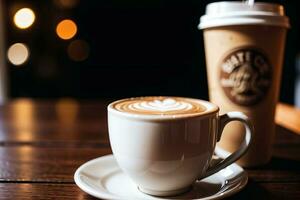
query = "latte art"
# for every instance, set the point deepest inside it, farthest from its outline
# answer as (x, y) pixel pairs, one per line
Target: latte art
(159, 106)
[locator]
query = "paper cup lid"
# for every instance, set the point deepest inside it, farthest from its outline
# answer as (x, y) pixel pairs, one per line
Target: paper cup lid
(240, 13)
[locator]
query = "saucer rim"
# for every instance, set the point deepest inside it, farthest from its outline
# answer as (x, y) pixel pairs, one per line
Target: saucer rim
(107, 195)
(87, 189)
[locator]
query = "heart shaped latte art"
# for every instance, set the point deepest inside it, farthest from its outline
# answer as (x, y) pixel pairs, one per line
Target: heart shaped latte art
(160, 106)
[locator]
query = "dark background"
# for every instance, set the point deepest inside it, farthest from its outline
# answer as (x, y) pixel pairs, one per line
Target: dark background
(136, 47)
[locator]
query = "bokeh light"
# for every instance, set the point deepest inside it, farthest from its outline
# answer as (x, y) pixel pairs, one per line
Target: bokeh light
(18, 53)
(66, 3)
(24, 18)
(66, 29)
(78, 50)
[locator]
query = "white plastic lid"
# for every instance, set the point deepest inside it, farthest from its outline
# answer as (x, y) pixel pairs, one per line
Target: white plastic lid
(240, 13)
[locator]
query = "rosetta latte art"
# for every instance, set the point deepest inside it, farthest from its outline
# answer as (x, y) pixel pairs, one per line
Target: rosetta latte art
(159, 106)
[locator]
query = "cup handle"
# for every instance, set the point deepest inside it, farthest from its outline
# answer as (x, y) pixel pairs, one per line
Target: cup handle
(223, 120)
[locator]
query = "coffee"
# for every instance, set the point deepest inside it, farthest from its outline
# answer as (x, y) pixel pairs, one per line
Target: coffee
(244, 48)
(160, 106)
(164, 144)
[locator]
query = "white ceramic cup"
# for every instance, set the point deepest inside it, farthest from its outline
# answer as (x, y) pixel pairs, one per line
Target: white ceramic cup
(165, 155)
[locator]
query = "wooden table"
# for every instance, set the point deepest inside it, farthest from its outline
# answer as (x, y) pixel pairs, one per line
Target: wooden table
(42, 143)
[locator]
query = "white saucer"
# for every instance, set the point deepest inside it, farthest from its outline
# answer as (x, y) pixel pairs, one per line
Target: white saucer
(102, 178)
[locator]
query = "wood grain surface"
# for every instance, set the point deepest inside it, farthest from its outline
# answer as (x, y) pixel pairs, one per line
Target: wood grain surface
(42, 143)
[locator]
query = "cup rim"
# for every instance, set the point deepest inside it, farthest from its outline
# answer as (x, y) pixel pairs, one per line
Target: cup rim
(232, 13)
(211, 108)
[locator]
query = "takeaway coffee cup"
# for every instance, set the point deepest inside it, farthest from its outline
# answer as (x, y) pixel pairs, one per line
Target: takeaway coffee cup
(244, 47)
(164, 144)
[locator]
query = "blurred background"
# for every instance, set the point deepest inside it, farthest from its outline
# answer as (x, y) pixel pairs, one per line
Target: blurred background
(115, 48)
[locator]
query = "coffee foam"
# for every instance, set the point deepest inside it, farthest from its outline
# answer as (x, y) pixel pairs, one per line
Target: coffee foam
(159, 106)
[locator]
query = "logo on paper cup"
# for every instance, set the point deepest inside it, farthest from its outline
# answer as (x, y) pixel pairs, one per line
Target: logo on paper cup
(245, 76)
